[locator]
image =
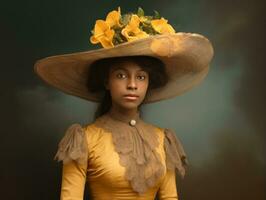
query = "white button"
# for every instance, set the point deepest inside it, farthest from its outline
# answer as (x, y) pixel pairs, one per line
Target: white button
(132, 122)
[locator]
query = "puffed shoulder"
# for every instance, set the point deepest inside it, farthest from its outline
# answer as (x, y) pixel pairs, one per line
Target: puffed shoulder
(175, 155)
(73, 146)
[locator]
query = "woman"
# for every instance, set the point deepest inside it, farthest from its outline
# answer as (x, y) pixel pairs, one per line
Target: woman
(153, 73)
(120, 155)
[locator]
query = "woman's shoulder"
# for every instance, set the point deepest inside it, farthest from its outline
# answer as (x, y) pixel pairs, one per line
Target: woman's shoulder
(93, 132)
(91, 128)
(165, 133)
(76, 141)
(73, 145)
(176, 158)
(158, 129)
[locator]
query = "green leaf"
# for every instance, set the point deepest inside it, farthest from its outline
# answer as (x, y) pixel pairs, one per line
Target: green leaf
(140, 12)
(125, 19)
(157, 15)
(149, 30)
(118, 37)
(149, 17)
(147, 22)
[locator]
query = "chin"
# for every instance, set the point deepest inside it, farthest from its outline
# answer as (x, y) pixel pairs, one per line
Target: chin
(130, 105)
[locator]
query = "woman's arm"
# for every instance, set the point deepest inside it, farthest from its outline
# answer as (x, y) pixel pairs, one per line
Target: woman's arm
(176, 161)
(73, 181)
(73, 151)
(167, 190)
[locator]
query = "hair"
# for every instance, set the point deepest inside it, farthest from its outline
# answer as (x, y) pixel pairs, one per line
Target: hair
(99, 74)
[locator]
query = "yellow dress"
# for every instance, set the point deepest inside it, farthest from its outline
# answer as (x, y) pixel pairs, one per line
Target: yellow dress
(105, 175)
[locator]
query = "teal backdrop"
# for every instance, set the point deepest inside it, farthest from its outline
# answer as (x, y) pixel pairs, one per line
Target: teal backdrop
(221, 122)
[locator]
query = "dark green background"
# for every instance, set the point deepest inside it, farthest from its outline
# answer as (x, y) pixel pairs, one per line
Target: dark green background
(221, 122)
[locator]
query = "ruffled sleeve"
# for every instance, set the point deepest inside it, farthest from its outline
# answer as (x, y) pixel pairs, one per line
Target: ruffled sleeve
(73, 146)
(175, 156)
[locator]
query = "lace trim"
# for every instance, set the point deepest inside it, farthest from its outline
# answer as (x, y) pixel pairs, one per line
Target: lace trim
(73, 146)
(136, 148)
(175, 155)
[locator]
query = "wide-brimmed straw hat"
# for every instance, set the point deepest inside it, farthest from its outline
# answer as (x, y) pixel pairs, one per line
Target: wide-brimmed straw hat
(186, 56)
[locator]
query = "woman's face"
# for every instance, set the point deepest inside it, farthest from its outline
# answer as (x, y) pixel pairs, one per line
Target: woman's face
(127, 84)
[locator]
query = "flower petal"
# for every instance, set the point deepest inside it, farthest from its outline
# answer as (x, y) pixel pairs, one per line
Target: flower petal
(132, 30)
(161, 26)
(113, 18)
(167, 29)
(100, 27)
(102, 34)
(106, 43)
(94, 40)
(134, 21)
(109, 34)
(133, 33)
(140, 35)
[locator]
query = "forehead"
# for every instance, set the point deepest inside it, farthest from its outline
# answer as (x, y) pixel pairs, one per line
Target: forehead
(127, 66)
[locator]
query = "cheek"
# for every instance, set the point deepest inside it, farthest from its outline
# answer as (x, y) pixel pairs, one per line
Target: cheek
(115, 86)
(144, 87)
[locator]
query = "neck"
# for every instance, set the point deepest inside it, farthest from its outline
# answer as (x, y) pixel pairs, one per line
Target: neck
(122, 111)
(124, 114)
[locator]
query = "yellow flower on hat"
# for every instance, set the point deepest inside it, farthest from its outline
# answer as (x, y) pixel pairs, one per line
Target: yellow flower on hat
(117, 28)
(113, 18)
(132, 31)
(103, 34)
(161, 26)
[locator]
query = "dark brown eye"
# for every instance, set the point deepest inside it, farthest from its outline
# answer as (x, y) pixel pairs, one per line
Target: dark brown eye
(120, 75)
(141, 77)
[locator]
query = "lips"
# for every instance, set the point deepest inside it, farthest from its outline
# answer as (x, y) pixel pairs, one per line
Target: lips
(131, 96)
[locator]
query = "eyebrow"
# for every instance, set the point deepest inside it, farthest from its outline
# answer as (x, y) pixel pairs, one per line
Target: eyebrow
(121, 68)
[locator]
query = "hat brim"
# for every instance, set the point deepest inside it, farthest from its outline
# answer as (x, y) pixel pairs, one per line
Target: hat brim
(186, 57)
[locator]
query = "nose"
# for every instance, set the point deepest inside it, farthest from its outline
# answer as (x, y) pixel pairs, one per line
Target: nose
(132, 84)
